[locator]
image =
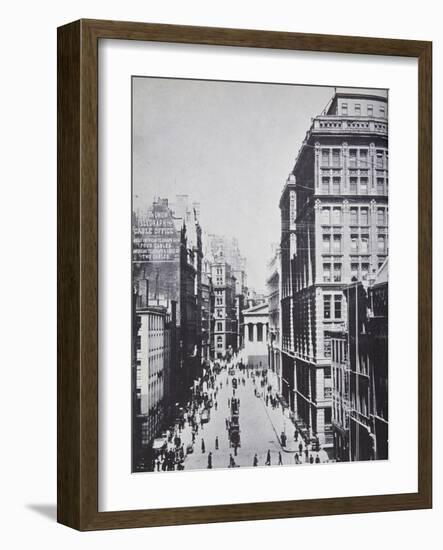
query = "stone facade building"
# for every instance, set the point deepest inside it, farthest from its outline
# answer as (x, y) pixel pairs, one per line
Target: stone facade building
(225, 319)
(273, 295)
(255, 329)
(334, 213)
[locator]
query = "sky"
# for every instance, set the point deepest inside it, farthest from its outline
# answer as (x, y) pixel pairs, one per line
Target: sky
(230, 146)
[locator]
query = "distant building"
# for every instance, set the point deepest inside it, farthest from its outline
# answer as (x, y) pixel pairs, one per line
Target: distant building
(208, 305)
(231, 251)
(255, 334)
(273, 291)
(225, 320)
(334, 211)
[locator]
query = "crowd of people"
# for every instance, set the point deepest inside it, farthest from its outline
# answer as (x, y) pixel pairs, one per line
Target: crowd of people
(232, 375)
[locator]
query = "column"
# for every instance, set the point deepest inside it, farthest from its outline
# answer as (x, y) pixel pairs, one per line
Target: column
(254, 332)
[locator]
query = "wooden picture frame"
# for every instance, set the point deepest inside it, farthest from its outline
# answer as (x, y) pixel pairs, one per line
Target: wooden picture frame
(78, 274)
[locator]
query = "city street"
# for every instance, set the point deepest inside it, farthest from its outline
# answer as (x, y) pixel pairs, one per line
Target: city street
(261, 426)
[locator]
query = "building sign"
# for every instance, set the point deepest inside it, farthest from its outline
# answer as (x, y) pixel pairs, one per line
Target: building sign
(155, 237)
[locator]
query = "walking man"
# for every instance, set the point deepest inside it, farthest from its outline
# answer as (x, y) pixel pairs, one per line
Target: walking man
(268, 458)
(280, 461)
(300, 447)
(210, 460)
(255, 463)
(216, 442)
(203, 446)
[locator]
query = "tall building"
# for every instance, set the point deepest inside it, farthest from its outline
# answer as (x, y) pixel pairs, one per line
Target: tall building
(334, 211)
(237, 262)
(208, 305)
(167, 263)
(273, 295)
(154, 333)
(225, 320)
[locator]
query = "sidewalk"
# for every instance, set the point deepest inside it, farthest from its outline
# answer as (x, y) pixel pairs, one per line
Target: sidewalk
(280, 418)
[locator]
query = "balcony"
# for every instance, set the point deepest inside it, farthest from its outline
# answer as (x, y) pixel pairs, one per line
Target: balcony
(336, 124)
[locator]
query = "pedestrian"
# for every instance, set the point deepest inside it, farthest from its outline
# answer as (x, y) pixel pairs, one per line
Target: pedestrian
(268, 458)
(317, 459)
(229, 402)
(295, 435)
(215, 405)
(210, 460)
(231, 461)
(300, 447)
(280, 461)
(203, 446)
(311, 459)
(267, 400)
(297, 461)
(216, 442)
(306, 453)
(193, 437)
(255, 463)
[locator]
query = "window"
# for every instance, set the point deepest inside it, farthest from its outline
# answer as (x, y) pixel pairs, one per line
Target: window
(337, 306)
(364, 271)
(380, 186)
(337, 244)
(354, 216)
(382, 112)
(335, 157)
(325, 216)
(352, 158)
(381, 244)
(337, 273)
(250, 332)
(219, 341)
(353, 185)
(219, 301)
(336, 216)
(379, 158)
(259, 332)
(364, 216)
(381, 216)
(370, 109)
(327, 345)
(364, 186)
(326, 244)
(344, 109)
(354, 244)
(139, 342)
(327, 273)
(336, 186)
(325, 157)
(354, 272)
(364, 158)
(325, 185)
(219, 313)
(357, 109)
(327, 306)
(219, 327)
(364, 248)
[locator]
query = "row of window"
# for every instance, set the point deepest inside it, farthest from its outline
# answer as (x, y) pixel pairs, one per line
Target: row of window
(358, 184)
(332, 272)
(357, 157)
(332, 244)
(370, 111)
(357, 215)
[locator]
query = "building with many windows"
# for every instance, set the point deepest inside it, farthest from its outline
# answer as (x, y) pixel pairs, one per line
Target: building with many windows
(273, 296)
(225, 319)
(334, 211)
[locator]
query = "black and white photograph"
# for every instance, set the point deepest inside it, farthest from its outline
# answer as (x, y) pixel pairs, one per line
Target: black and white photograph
(260, 246)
